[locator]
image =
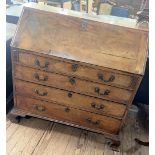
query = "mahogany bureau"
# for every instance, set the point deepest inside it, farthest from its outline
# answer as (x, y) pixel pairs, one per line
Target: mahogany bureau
(76, 69)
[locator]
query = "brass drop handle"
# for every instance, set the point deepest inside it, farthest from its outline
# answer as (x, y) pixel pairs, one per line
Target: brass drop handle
(97, 90)
(101, 77)
(90, 121)
(40, 78)
(40, 93)
(95, 106)
(72, 81)
(67, 109)
(38, 64)
(74, 67)
(39, 108)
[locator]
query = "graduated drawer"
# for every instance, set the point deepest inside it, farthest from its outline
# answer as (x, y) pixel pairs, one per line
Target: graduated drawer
(73, 84)
(103, 76)
(69, 115)
(70, 99)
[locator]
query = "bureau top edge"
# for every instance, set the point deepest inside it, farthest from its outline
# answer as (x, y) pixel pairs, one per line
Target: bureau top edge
(112, 46)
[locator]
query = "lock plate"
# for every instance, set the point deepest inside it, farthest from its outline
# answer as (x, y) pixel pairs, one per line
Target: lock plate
(84, 25)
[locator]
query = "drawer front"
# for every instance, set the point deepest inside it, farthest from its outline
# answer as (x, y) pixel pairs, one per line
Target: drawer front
(68, 98)
(70, 115)
(104, 76)
(73, 84)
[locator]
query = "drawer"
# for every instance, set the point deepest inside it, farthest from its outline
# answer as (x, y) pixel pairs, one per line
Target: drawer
(73, 84)
(104, 76)
(67, 114)
(70, 99)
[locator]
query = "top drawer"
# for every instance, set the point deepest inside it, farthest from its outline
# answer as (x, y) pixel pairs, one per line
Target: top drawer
(104, 76)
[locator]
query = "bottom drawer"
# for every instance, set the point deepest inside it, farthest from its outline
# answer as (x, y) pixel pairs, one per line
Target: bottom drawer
(69, 115)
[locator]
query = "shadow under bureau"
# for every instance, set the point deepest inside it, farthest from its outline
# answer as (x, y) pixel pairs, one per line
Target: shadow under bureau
(76, 69)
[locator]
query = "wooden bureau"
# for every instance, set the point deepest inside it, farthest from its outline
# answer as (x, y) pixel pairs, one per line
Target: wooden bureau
(76, 69)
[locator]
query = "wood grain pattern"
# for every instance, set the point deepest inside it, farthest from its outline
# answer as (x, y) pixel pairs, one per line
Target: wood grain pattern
(121, 80)
(58, 139)
(34, 129)
(77, 70)
(119, 47)
(55, 111)
(71, 99)
(74, 84)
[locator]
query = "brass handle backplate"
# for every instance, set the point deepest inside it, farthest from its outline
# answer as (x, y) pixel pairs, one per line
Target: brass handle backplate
(39, 108)
(98, 107)
(72, 81)
(101, 77)
(98, 91)
(90, 121)
(67, 109)
(38, 64)
(40, 78)
(70, 94)
(40, 93)
(74, 67)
